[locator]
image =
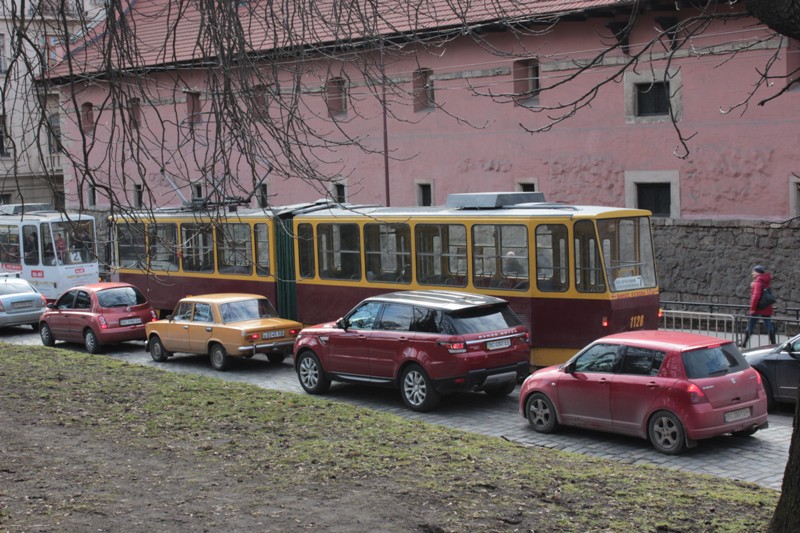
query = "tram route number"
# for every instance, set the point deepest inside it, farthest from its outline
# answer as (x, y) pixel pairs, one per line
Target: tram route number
(637, 321)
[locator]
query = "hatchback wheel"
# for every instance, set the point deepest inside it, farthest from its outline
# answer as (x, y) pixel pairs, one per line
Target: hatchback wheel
(311, 375)
(417, 389)
(219, 359)
(666, 433)
(541, 414)
(91, 341)
(46, 335)
(157, 350)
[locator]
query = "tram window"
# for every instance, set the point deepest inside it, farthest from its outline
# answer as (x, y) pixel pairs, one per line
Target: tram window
(9, 244)
(387, 249)
(234, 249)
(30, 245)
(500, 256)
(131, 243)
(552, 258)
(589, 275)
(198, 247)
(441, 251)
(163, 239)
(262, 249)
(339, 249)
(305, 250)
(628, 253)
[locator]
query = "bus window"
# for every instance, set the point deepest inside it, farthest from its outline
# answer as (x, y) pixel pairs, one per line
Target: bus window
(73, 242)
(234, 249)
(552, 258)
(262, 249)
(441, 254)
(198, 247)
(305, 250)
(500, 256)
(30, 245)
(387, 248)
(589, 275)
(163, 239)
(131, 245)
(9, 244)
(339, 249)
(628, 253)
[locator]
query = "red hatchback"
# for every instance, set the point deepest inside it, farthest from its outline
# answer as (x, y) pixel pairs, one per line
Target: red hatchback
(97, 314)
(427, 343)
(669, 387)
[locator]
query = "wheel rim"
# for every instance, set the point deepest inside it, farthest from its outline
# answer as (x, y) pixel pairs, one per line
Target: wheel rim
(539, 413)
(309, 373)
(45, 333)
(216, 356)
(156, 347)
(414, 388)
(665, 432)
(90, 341)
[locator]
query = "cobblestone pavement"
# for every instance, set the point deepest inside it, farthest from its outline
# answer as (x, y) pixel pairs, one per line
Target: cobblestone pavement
(759, 459)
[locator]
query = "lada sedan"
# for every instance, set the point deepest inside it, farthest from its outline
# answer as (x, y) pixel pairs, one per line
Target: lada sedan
(97, 314)
(223, 326)
(669, 387)
(427, 343)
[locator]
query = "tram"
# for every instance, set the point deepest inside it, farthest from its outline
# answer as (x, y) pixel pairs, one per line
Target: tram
(54, 251)
(572, 273)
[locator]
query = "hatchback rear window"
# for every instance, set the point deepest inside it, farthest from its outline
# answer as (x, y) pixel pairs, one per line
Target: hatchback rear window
(713, 361)
(120, 297)
(481, 319)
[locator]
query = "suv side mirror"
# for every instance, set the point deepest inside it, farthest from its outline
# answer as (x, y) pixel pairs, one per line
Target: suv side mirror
(343, 323)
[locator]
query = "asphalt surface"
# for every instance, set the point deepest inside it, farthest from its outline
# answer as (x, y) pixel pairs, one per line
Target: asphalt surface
(759, 459)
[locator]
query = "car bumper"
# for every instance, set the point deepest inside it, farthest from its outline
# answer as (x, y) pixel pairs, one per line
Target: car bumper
(484, 378)
(704, 423)
(28, 317)
(111, 336)
(284, 346)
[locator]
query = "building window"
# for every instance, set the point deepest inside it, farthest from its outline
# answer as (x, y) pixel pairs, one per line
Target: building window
(423, 90)
(193, 107)
(653, 96)
(138, 195)
(339, 193)
(652, 99)
(87, 118)
(263, 196)
(526, 186)
(654, 197)
(424, 194)
(197, 191)
(3, 59)
(336, 97)
(91, 195)
(54, 134)
(135, 113)
(657, 191)
(4, 144)
(526, 82)
(794, 196)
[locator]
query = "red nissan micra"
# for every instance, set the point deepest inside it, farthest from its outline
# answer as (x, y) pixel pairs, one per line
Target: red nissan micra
(669, 387)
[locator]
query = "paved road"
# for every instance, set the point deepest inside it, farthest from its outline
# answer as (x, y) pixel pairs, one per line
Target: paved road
(760, 459)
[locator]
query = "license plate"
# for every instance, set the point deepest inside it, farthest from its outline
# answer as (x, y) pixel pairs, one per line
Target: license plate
(498, 344)
(272, 334)
(739, 414)
(129, 321)
(21, 305)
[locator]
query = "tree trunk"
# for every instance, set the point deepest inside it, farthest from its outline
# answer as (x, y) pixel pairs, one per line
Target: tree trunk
(787, 514)
(783, 16)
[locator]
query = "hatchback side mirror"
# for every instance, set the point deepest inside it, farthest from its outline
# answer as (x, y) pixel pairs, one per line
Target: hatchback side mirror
(51, 306)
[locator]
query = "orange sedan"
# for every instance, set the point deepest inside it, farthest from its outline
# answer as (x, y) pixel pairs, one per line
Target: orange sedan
(223, 325)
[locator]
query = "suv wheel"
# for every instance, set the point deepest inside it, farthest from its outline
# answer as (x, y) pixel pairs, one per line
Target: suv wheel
(311, 375)
(417, 389)
(666, 433)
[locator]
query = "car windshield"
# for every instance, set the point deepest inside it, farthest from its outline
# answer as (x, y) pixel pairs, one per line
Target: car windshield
(120, 297)
(247, 310)
(481, 319)
(713, 361)
(15, 286)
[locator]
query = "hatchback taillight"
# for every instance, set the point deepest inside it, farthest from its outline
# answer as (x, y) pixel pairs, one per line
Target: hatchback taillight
(102, 321)
(153, 315)
(44, 300)
(696, 394)
(2, 308)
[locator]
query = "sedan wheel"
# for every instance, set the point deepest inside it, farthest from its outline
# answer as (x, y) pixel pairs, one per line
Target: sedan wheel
(417, 389)
(541, 414)
(666, 433)
(46, 335)
(219, 359)
(311, 375)
(157, 350)
(91, 341)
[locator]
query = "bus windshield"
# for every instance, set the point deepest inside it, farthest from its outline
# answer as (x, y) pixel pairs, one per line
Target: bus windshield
(627, 246)
(72, 243)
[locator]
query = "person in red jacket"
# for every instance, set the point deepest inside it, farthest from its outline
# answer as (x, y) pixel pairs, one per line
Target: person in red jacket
(761, 281)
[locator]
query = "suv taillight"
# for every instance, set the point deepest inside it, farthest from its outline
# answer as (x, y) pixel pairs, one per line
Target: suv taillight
(455, 347)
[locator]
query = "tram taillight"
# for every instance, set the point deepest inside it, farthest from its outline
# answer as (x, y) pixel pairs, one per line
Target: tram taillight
(605, 321)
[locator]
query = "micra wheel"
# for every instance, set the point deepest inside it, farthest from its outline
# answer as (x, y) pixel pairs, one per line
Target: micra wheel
(157, 350)
(46, 335)
(311, 375)
(540, 413)
(219, 359)
(502, 390)
(417, 389)
(91, 341)
(276, 357)
(666, 433)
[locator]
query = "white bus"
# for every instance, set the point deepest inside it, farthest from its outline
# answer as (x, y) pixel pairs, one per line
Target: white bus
(54, 251)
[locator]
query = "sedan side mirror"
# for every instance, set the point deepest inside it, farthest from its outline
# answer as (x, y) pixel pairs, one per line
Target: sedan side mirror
(170, 318)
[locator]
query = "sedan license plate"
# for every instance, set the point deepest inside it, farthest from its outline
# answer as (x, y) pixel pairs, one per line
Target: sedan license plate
(129, 321)
(21, 305)
(272, 334)
(739, 414)
(498, 344)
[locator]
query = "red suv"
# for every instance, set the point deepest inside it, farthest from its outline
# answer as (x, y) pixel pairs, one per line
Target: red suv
(427, 343)
(97, 314)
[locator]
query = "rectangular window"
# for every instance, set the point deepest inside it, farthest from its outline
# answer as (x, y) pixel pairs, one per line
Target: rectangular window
(388, 252)
(552, 258)
(87, 118)
(234, 249)
(340, 193)
(134, 113)
(526, 187)
(441, 251)
(339, 250)
(197, 191)
(263, 196)
(3, 57)
(30, 245)
(138, 195)
(305, 250)
(163, 245)
(193, 107)
(424, 194)
(336, 97)
(198, 247)
(423, 90)
(654, 197)
(500, 256)
(91, 195)
(627, 247)
(131, 245)
(526, 82)
(262, 249)
(54, 134)
(9, 245)
(589, 275)
(4, 145)
(652, 99)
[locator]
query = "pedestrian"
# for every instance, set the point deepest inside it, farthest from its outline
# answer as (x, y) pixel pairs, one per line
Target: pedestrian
(761, 281)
